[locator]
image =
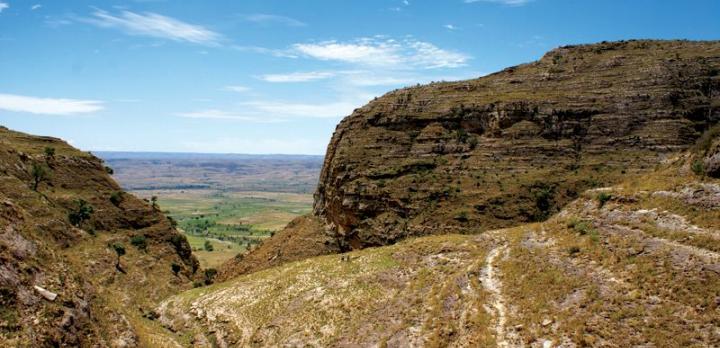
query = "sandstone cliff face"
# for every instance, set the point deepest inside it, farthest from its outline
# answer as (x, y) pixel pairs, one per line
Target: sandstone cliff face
(97, 304)
(512, 147)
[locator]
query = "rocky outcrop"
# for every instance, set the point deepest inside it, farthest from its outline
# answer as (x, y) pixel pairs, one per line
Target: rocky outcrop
(514, 146)
(511, 147)
(712, 160)
(59, 283)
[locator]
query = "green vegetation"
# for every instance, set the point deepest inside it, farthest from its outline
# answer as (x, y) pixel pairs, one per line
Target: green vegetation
(175, 268)
(698, 168)
(39, 174)
(603, 197)
(232, 222)
(208, 246)
(120, 251)
(82, 212)
(116, 198)
(49, 152)
(139, 241)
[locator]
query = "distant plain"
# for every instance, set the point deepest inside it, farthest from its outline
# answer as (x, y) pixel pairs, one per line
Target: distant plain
(231, 201)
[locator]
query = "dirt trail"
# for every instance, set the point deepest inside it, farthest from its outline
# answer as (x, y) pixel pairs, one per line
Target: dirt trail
(490, 279)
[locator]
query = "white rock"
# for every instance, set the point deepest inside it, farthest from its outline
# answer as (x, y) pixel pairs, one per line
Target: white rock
(48, 295)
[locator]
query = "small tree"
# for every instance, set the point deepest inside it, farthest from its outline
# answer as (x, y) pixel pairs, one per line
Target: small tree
(81, 213)
(154, 201)
(175, 268)
(49, 152)
(208, 246)
(109, 170)
(39, 174)
(120, 251)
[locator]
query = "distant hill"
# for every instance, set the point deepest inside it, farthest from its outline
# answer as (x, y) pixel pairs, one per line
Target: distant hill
(227, 172)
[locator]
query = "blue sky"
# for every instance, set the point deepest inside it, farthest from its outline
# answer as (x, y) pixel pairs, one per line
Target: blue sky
(276, 76)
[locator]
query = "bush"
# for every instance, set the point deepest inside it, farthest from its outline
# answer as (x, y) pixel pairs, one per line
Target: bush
(49, 152)
(210, 274)
(573, 250)
(82, 212)
(109, 170)
(208, 246)
(603, 198)
(139, 241)
(116, 198)
(462, 217)
(39, 174)
(698, 168)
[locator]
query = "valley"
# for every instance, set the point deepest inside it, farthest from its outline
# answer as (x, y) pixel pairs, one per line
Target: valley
(232, 202)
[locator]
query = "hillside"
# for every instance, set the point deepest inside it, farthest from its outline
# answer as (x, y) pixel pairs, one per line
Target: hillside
(62, 218)
(509, 148)
(636, 264)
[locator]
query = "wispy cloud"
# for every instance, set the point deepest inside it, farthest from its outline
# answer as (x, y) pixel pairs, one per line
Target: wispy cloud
(48, 106)
(35, 7)
(306, 110)
(217, 115)
(3, 5)
(504, 2)
(450, 27)
(263, 18)
(297, 76)
(236, 88)
(380, 52)
(155, 25)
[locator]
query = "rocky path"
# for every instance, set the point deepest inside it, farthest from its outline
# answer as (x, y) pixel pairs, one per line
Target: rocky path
(490, 279)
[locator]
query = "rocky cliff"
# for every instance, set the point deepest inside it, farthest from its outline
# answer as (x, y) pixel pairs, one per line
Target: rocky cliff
(82, 262)
(508, 148)
(631, 265)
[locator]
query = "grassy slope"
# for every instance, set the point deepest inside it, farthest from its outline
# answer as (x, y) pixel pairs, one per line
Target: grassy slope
(641, 269)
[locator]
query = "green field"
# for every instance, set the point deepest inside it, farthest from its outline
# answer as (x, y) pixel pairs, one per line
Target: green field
(233, 222)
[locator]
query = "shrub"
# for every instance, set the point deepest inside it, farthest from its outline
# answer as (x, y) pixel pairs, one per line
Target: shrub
(698, 168)
(82, 212)
(208, 246)
(139, 241)
(39, 174)
(154, 201)
(573, 250)
(210, 274)
(603, 198)
(109, 170)
(462, 217)
(116, 198)
(543, 195)
(49, 152)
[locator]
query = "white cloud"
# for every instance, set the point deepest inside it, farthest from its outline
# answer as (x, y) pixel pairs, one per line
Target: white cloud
(48, 106)
(297, 76)
(236, 88)
(288, 109)
(35, 7)
(504, 2)
(155, 25)
(379, 52)
(450, 27)
(3, 5)
(273, 19)
(217, 115)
